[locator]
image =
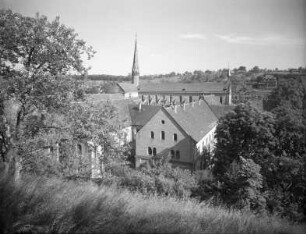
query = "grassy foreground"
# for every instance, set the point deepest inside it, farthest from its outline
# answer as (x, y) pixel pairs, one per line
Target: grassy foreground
(44, 205)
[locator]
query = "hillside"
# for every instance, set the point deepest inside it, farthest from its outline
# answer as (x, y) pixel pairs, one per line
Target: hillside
(48, 205)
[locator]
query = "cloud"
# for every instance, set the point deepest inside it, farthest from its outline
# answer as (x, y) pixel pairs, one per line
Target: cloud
(196, 36)
(264, 40)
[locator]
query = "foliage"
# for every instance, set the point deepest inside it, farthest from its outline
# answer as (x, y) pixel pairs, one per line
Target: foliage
(48, 205)
(162, 180)
(239, 188)
(94, 127)
(241, 185)
(290, 91)
(275, 143)
(245, 132)
(35, 58)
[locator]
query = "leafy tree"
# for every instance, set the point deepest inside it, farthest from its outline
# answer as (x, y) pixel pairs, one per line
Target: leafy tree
(290, 91)
(35, 58)
(242, 69)
(243, 133)
(241, 185)
(276, 143)
(255, 69)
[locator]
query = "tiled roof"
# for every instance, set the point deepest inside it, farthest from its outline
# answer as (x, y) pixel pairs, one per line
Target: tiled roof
(128, 87)
(220, 110)
(141, 117)
(196, 119)
(205, 87)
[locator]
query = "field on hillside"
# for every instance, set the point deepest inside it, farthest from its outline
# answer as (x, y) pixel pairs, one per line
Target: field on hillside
(51, 205)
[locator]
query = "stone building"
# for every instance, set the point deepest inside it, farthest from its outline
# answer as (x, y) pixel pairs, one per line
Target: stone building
(179, 133)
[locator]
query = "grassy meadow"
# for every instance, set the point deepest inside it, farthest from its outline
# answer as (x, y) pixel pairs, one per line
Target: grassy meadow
(51, 205)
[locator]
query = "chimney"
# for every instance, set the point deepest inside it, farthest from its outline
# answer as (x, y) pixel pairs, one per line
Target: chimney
(139, 106)
(192, 104)
(175, 108)
(184, 105)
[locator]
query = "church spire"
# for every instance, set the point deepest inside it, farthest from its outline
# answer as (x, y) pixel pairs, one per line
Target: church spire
(135, 68)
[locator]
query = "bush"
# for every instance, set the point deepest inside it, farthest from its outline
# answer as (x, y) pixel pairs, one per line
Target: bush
(238, 188)
(163, 180)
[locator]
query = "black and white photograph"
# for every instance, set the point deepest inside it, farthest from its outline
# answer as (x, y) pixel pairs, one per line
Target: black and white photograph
(153, 116)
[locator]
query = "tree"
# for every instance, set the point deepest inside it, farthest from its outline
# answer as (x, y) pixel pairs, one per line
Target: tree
(243, 133)
(242, 69)
(36, 58)
(255, 69)
(290, 91)
(274, 142)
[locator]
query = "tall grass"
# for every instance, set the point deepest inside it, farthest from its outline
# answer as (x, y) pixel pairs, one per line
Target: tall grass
(50, 205)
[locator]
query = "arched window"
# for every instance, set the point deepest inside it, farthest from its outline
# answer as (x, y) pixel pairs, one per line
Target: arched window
(177, 154)
(162, 135)
(152, 135)
(175, 137)
(172, 153)
(149, 151)
(154, 151)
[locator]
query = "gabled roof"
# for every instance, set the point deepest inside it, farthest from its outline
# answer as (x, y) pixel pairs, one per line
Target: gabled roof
(195, 119)
(128, 87)
(141, 117)
(220, 110)
(205, 87)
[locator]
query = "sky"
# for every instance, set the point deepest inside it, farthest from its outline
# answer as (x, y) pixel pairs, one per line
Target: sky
(181, 35)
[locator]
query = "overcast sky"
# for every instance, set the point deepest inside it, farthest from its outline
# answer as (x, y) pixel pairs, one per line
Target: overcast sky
(182, 35)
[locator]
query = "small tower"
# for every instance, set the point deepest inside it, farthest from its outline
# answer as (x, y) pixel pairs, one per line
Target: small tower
(135, 68)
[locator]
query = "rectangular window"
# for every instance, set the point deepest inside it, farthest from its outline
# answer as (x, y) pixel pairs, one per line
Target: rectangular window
(152, 135)
(172, 153)
(149, 151)
(154, 151)
(162, 135)
(175, 137)
(177, 154)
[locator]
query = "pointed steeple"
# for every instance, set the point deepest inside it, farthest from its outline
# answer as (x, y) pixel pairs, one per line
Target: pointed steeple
(135, 68)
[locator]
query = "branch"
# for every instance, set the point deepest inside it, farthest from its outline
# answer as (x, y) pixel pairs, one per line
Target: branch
(40, 65)
(30, 55)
